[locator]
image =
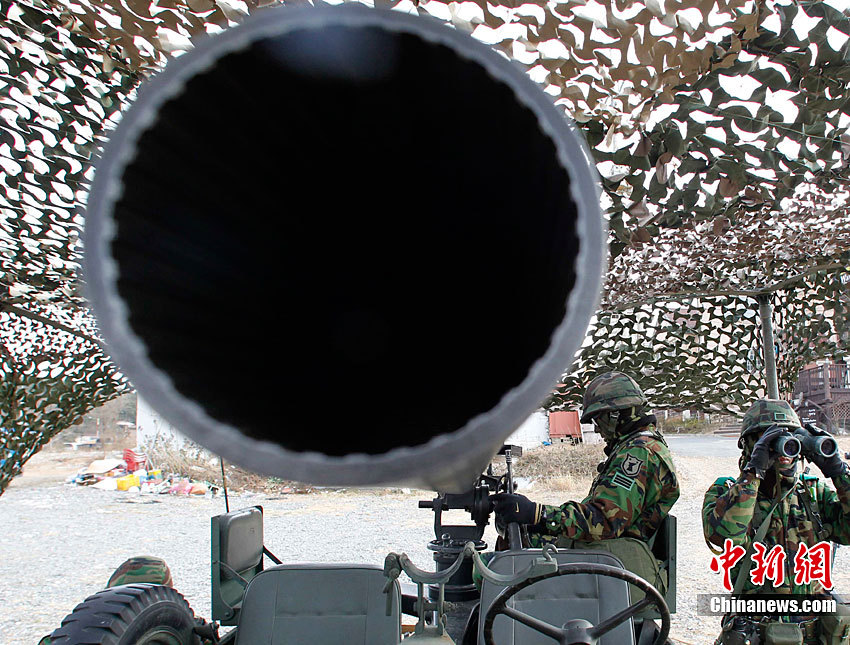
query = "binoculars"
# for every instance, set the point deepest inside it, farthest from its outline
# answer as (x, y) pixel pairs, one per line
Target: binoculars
(800, 440)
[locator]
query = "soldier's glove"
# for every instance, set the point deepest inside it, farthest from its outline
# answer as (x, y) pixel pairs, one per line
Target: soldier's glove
(762, 456)
(510, 507)
(829, 466)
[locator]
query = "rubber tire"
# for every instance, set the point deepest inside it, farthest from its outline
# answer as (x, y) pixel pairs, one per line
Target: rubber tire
(122, 615)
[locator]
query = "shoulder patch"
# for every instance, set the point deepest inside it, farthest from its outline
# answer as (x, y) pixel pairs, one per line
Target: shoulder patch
(724, 481)
(619, 479)
(631, 466)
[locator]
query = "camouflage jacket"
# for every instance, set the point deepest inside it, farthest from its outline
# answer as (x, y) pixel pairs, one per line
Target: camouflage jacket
(735, 509)
(631, 495)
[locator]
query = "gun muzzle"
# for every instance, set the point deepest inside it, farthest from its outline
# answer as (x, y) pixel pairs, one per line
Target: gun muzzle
(787, 445)
(816, 445)
(344, 246)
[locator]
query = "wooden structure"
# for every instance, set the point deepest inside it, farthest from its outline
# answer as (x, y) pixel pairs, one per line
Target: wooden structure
(823, 392)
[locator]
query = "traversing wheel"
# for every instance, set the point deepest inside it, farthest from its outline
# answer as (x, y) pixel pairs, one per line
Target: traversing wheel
(578, 631)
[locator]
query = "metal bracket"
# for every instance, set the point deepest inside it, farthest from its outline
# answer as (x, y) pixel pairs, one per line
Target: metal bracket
(395, 563)
(540, 566)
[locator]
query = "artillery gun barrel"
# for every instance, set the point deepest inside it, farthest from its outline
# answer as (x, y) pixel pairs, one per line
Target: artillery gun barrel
(344, 246)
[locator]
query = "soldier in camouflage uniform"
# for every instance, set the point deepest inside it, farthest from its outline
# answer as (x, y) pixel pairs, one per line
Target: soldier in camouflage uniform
(142, 568)
(807, 512)
(636, 485)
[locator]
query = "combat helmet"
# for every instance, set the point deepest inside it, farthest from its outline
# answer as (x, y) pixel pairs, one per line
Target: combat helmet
(611, 391)
(765, 413)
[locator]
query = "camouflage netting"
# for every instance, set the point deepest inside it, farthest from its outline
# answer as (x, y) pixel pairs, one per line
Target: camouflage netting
(704, 117)
(66, 70)
(705, 352)
(50, 377)
(681, 314)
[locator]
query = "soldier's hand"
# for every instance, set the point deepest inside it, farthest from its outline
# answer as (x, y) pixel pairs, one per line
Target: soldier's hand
(829, 466)
(762, 456)
(510, 507)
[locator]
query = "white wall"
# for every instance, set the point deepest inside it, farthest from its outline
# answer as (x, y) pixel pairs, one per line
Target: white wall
(588, 435)
(151, 428)
(533, 432)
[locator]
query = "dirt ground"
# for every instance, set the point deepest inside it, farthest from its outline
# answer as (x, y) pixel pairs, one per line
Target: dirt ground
(69, 539)
(55, 467)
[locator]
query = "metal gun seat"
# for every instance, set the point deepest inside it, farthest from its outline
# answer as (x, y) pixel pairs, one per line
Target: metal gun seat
(308, 604)
(558, 600)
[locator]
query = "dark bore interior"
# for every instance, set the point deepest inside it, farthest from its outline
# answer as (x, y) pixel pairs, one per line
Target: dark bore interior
(346, 256)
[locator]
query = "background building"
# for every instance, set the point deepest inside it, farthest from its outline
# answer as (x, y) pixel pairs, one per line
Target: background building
(822, 395)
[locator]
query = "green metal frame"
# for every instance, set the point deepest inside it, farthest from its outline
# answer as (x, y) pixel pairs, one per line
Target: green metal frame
(664, 549)
(227, 584)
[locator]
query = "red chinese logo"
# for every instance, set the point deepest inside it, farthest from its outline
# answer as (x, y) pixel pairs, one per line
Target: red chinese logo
(771, 566)
(726, 560)
(811, 564)
(814, 564)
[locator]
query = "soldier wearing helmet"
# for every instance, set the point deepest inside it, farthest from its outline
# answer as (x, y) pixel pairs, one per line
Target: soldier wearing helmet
(636, 485)
(772, 504)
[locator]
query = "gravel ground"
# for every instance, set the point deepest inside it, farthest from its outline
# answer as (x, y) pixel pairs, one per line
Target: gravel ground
(61, 543)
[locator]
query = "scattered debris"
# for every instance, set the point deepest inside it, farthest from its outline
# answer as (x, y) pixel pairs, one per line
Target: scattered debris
(104, 466)
(129, 474)
(135, 460)
(133, 473)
